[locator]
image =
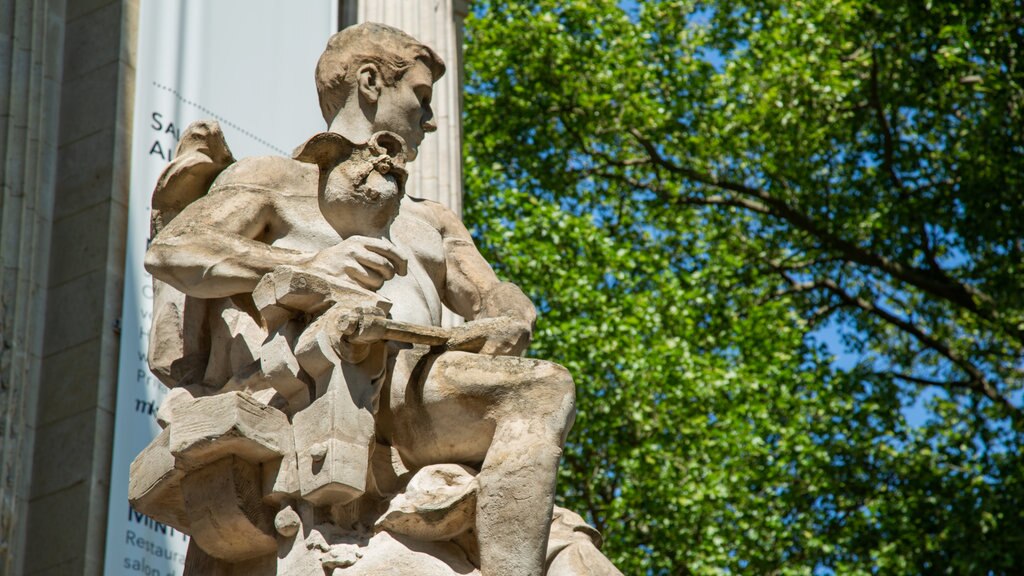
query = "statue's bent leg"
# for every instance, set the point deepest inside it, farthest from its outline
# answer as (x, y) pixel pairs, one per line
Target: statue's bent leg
(509, 416)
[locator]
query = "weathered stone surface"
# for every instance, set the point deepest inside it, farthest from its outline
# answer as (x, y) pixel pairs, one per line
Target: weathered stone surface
(387, 553)
(231, 424)
(155, 485)
(227, 517)
(328, 424)
(573, 547)
(334, 443)
(438, 504)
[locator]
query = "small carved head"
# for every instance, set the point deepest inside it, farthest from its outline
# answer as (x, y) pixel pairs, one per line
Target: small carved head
(360, 185)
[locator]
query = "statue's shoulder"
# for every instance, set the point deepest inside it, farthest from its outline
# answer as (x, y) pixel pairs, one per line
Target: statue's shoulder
(274, 174)
(437, 215)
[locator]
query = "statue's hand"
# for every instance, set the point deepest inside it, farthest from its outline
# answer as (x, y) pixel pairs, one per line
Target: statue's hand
(347, 339)
(501, 336)
(369, 262)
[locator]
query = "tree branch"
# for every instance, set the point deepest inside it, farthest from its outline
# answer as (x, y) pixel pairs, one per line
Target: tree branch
(977, 382)
(926, 381)
(888, 147)
(933, 282)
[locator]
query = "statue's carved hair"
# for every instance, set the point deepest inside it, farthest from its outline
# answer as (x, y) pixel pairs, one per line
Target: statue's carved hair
(390, 49)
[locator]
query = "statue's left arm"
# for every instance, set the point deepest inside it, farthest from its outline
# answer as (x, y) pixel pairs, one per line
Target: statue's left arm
(472, 290)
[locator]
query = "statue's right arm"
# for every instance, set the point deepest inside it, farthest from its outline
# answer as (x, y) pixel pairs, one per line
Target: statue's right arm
(213, 248)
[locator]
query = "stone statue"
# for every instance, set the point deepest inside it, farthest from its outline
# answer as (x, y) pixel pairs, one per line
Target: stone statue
(321, 421)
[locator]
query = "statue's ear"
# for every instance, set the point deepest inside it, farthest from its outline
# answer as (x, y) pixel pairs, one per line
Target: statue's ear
(388, 143)
(326, 150)
(368, 82)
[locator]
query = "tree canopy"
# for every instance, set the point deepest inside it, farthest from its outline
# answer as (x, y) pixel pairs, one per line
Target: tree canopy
(700, 196)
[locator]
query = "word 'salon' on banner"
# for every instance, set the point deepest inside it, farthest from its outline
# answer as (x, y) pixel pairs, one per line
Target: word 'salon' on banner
(233, 61)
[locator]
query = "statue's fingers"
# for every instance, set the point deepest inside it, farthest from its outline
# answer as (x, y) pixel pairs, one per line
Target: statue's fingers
(393, 253)
(377, 263)
(366, 277)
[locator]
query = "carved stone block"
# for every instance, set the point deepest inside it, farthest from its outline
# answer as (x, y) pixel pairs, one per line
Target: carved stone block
(334, 443)
(230, 424)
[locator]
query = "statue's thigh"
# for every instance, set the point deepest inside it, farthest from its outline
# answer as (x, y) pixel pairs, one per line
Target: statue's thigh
(450, 414)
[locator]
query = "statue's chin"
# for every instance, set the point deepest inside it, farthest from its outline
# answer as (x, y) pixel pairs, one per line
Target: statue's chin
(348, 220)
(366, 210)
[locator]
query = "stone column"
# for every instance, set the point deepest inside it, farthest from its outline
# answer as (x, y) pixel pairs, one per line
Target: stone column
(437, 173)
(81, 109)
(31, 50)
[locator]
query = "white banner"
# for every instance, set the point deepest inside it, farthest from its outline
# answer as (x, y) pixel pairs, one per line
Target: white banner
(248, 64)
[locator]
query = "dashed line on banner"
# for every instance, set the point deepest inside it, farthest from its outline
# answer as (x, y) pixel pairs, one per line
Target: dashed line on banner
(219, 118)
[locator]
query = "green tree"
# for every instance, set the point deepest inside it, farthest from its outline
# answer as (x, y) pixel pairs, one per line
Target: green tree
(696, 194)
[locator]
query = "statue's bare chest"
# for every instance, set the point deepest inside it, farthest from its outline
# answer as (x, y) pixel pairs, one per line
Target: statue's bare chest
(298, 225)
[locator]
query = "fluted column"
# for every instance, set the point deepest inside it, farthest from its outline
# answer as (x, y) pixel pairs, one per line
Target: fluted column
(31, 35)
(437, 172)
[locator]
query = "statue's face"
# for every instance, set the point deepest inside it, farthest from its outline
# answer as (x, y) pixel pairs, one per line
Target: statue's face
(405, 107)
(361, 195)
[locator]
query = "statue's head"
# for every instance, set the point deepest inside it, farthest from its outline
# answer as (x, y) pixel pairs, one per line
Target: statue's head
(373, 77)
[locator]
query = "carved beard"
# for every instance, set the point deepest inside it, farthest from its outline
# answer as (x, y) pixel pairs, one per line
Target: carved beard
(363, 193)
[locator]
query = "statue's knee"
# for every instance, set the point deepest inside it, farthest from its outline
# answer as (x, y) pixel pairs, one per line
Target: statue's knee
(554, 388)
(558, 379)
